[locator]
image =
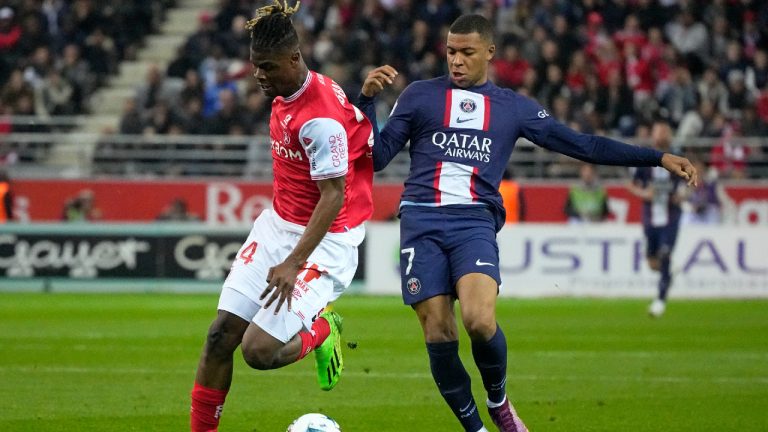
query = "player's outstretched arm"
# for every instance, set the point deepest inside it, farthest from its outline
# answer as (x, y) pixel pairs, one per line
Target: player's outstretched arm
(681, 167)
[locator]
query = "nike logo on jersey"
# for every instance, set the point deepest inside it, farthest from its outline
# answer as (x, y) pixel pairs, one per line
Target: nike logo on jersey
(464, 120)
(481, 263)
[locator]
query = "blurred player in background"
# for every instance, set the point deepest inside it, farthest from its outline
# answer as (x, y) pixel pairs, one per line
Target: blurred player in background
(6, 198)
(662, 195)
(462, 129)
(587, 200)
(303, 254)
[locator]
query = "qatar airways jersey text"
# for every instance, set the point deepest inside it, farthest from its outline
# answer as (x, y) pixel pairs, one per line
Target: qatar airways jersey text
(461, 141)
(317, 134)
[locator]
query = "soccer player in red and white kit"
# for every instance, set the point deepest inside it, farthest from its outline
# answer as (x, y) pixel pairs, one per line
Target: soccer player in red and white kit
(302, 254)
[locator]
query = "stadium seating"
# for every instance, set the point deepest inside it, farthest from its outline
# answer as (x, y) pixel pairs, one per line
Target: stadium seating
(608, 68)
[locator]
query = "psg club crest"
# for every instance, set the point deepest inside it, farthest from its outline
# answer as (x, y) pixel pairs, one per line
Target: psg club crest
(413, 285)
(468, 106)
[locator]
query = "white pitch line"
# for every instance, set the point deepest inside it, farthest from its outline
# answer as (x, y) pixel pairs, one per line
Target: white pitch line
(396, 375)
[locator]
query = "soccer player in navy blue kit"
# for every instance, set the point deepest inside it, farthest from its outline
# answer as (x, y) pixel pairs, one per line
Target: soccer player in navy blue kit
(462, 129)
(661, 197)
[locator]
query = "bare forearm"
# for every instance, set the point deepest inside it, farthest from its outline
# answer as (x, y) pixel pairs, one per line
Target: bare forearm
(319, 223)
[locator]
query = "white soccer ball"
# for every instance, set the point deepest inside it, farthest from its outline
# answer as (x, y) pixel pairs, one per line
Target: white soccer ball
(314, 422)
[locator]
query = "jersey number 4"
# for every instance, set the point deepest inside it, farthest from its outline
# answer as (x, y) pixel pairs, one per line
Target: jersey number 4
(247, 253)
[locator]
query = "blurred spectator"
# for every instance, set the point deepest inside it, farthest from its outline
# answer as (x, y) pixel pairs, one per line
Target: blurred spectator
(160, 119)
(192, 88)
(229, 116)
(192, 117)
(509, 67)
(739, 97)
(78, 74)
(587, 201)
(691, 39)
(734, 61)
(680, 97)
(177, 211)
(616, 105)
(181, 64)
(729, 156)
(212, 100)
(100, 51)
(131, 122)
(53, 96)
(154, 89)
(703, 204)
(10, 34)
(757, 73)
(81, 208)
(256, 112)
(712, 90)
(6, 198)
(14, 91)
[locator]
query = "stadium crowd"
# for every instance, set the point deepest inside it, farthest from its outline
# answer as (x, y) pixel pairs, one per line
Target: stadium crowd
(55, 53)
(600, 66)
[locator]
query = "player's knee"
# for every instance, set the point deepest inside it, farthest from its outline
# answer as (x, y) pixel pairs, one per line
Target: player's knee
(220, 342)
(653, 263)
(259, 357)
(435, 331)
(479, 327)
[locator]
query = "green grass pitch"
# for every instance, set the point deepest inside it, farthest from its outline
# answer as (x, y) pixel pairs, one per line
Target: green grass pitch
(126, 362)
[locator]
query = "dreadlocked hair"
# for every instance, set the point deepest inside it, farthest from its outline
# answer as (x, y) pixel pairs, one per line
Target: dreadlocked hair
(272, 28)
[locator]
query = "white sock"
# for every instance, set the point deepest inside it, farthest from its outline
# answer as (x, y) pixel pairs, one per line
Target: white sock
(483, 429)
(495, 404)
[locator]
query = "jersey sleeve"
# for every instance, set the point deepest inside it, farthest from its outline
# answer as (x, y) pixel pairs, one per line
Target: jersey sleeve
(396, 133)
(538, 126)
(325, 144)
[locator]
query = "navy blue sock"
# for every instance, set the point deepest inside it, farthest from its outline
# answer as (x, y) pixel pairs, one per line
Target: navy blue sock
(453, 382)
(666, 277)
(491, 359)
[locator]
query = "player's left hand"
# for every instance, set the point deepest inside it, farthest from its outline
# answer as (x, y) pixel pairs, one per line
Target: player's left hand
(681, 167)
(281, 281)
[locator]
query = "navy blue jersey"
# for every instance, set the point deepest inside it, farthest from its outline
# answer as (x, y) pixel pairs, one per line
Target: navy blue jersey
(663, 209)
(461, 141)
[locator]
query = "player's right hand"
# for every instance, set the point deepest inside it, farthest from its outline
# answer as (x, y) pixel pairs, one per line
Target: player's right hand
(377, 79)
(281, 280)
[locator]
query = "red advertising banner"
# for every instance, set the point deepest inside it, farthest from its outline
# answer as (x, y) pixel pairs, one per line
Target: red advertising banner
(238, 202)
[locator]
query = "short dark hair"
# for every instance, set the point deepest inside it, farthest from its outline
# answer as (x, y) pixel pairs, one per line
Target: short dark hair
(473, 23)
(271, 29)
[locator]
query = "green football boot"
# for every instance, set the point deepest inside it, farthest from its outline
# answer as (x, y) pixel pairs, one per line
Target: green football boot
(328, 358)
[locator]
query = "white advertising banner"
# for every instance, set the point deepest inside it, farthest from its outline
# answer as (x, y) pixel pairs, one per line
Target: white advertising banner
(605, 260)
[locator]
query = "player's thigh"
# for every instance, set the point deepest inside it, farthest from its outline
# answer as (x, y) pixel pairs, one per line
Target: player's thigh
(326, 274)
(652, 241)
(311, 294)
(668, 238)
(424, 270)
(473, 249)
(264, 248)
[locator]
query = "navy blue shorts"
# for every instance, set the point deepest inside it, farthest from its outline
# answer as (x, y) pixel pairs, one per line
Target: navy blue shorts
(660, 240)
(440, 245)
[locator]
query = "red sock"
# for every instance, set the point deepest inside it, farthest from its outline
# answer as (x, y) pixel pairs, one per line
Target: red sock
(207, 404)
(314, 338)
